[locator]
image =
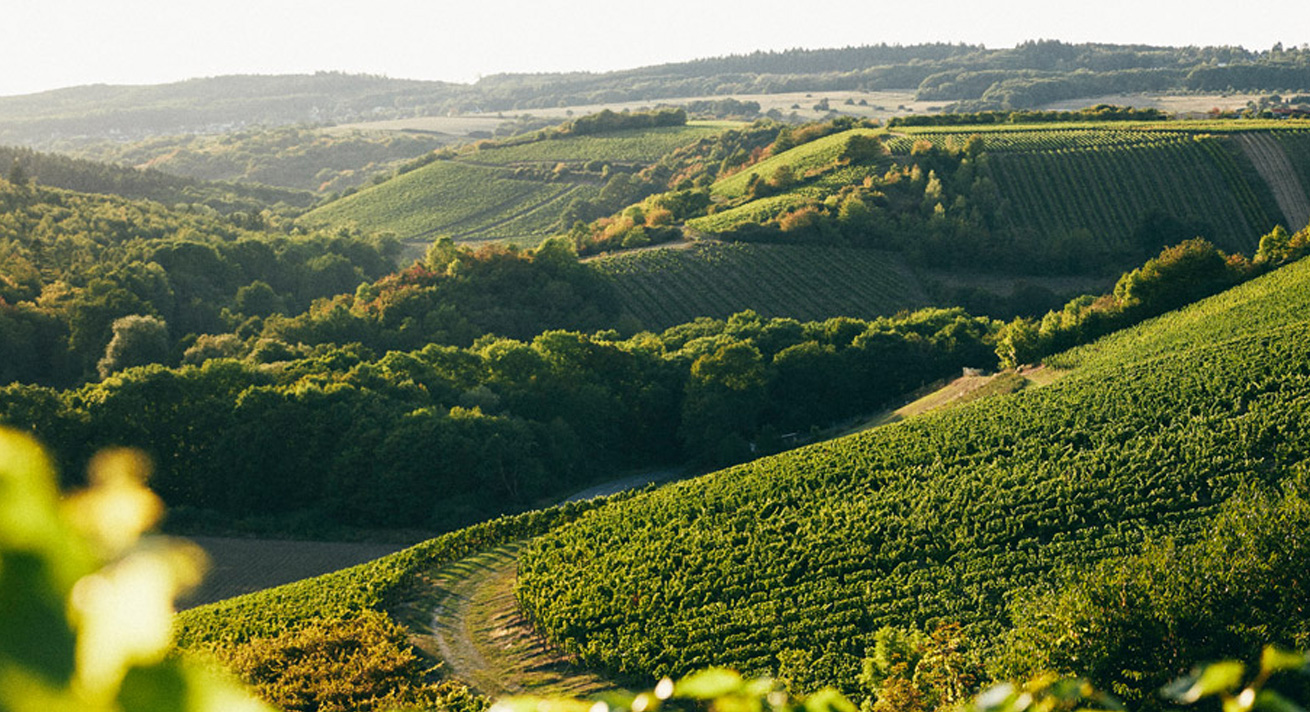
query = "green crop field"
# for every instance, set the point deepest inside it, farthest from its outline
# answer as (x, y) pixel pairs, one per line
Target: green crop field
(484, 194)
(634, 146)
(451, 198)
(1107, 190)
(667, 287)
(797, 560)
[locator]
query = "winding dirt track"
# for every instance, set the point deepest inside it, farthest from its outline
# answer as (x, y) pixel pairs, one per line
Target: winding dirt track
(467, 617)
(473, 625)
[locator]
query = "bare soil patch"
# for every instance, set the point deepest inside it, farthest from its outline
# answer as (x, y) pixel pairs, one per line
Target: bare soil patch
(239, 566)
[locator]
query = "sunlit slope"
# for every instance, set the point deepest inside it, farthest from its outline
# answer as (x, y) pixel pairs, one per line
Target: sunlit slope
(469, 202)
(800, 160)
(1099, 184)
(514, 192)
(796, 560)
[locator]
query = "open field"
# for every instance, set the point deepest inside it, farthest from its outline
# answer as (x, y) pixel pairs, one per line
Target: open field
(1179, 104)
(239, 566)
(880, 105)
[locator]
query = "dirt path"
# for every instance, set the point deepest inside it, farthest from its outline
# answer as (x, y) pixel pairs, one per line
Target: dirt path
(470, 620)
(1272, 165)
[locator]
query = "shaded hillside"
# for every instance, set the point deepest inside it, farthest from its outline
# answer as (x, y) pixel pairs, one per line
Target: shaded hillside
(92, 177)
(670, 286)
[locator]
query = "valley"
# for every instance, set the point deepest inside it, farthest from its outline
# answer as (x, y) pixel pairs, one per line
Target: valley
(853, 379)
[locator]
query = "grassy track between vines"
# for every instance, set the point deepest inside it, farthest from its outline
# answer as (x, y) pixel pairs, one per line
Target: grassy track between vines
(468, 618)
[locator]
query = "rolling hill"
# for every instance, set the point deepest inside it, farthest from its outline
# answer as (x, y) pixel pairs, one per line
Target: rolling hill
(1075, 198)
(792, 563)
(87, 176)
(515, 191)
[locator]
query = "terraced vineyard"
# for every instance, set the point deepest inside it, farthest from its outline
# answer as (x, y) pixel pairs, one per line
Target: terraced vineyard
(667, 287)
(792, 563)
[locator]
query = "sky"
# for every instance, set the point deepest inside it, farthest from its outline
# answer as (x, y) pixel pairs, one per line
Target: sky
(50, 44)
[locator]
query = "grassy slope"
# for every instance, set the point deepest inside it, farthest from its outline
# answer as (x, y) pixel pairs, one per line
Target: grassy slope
(803, 158)
(800, 557)
(667, 287)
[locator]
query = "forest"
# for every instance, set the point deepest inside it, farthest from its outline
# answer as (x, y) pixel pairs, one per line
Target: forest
(968, 77)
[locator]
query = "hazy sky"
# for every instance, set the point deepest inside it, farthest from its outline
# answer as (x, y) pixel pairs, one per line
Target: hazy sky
(56, 43)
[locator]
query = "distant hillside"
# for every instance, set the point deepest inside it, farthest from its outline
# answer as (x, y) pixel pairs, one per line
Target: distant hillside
(213, 105)
(94, 177)
(789, 566)
(1025, 76)
(519, 190)
(296, 157)
(1069, 198)
(1029, 75)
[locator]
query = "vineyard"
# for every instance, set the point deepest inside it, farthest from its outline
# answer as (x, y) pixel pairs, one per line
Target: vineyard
(1107, 190)
(1296, 144)
(662, 288)
(792, 563)
(1076, 198)
(469, 202)
(515, 193)
(1033, 137)
(640, 146)
(1095, 177)
(1270, 161)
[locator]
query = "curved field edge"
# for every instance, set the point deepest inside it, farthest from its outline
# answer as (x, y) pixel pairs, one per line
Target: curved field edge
(1202, 323)
(469, 619)
(377, 585)
(800, 558)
